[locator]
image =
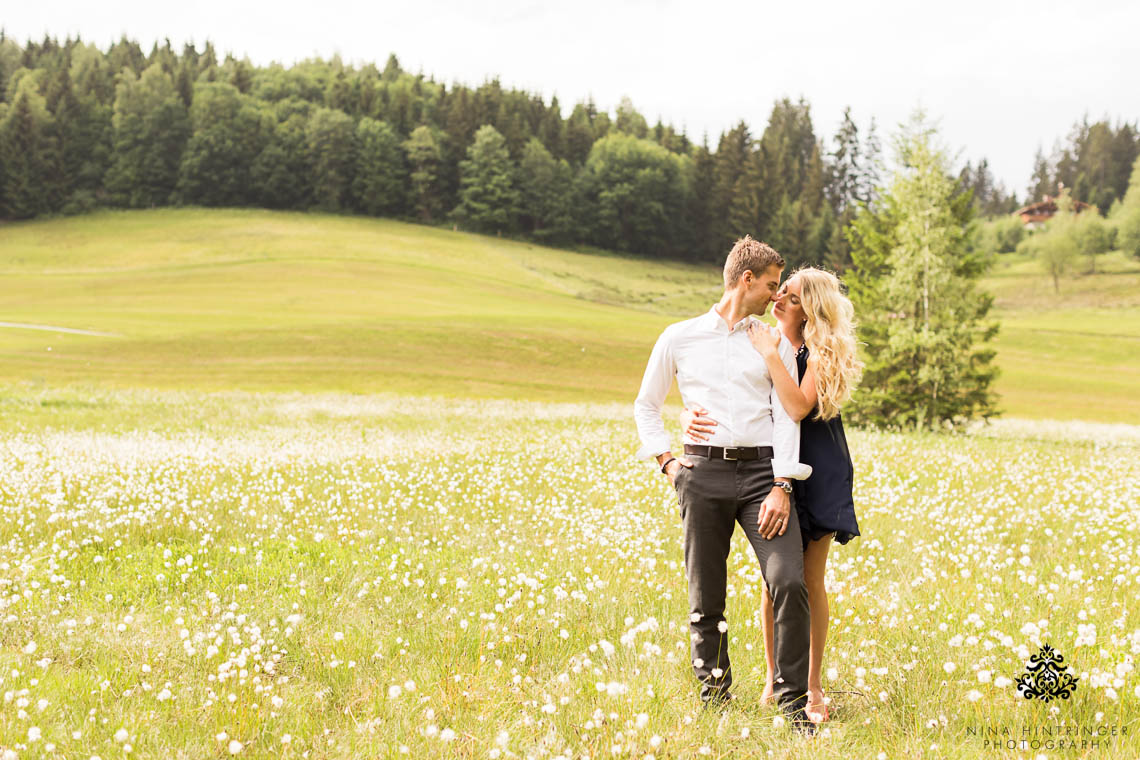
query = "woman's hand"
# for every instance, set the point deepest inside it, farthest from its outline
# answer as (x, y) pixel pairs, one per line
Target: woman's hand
(764, 339)
(696, 423)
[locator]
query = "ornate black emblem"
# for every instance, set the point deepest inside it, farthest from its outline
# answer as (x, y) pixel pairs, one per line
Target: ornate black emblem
(1045, 678)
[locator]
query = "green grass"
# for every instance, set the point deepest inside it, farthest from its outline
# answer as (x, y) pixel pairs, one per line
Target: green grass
(1072, 354)
(343, 546)
(258, 300)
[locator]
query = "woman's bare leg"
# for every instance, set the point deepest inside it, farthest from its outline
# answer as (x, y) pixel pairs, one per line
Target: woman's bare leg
(767, 625)
(815, 567)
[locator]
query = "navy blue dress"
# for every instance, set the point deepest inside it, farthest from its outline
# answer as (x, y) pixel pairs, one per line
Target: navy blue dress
(823, 501)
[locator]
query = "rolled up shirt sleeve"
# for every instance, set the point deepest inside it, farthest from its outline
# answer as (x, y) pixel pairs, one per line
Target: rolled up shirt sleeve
(655, 385)
(786, 431)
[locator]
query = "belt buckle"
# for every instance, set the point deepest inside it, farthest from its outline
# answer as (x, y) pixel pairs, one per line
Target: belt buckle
(734, 449)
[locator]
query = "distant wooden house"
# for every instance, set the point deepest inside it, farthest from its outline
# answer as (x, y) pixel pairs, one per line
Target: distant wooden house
(1036, 214)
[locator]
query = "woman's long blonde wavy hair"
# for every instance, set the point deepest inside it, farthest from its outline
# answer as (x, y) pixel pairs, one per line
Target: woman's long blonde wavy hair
(829, 333)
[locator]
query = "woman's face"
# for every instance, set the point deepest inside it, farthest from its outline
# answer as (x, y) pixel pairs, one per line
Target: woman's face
(788, 307)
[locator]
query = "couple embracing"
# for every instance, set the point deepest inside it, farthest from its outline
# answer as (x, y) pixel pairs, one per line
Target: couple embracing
(764, 447)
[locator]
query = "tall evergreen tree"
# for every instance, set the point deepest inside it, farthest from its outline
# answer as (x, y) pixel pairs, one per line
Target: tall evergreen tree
(27, 155)
(923, 317)
(845, 192)
(784, 151)
(701, 215)
(846, 166)
(579, 135)
(488, 200)
(551, 129)
(736, 174)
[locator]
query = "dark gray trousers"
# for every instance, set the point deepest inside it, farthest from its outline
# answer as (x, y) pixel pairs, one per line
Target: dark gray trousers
(714, 495)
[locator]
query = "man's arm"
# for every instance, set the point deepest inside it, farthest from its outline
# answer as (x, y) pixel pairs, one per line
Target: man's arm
(655, 386)
(786, 431)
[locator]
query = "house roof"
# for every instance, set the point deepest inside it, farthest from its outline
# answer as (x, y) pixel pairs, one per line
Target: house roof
(1048, 207)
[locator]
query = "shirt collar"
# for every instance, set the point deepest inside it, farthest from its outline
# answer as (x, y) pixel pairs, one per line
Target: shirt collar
(713, 321)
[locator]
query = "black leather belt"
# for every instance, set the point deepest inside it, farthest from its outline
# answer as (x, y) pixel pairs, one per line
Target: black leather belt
(730, 453)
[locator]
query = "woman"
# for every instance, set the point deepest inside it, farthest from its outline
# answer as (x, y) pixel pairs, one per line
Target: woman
(818, 320)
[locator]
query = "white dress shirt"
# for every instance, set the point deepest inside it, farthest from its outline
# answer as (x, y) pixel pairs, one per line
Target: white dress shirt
(719, 369)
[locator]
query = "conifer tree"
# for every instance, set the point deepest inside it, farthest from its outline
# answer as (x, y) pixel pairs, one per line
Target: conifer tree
(488, 200)
(27, 151)
(923, 318)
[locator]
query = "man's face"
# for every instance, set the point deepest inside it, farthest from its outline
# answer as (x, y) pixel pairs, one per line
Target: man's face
(762, 288)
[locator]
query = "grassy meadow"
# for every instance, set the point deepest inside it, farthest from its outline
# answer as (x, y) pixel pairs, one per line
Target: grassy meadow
(331, 487)
(258, 300)
(264, 301)
(1073, 354)
(196, 575)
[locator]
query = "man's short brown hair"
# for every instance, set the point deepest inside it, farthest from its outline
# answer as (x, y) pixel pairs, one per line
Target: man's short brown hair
(749, 255)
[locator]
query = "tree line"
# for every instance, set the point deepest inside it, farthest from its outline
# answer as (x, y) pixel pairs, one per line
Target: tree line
(82, 128)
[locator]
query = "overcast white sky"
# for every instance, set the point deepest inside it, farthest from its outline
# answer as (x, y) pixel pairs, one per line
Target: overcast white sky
(1000, 77)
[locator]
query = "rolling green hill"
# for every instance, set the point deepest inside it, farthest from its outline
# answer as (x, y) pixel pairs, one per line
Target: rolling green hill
(259, 300)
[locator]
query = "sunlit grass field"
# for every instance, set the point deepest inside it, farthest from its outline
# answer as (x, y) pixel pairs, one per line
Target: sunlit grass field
(334, 576)
(329, 487)
(258, 300)
(1073, 354)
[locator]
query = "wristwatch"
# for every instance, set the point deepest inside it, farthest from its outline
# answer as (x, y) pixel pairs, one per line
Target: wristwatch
(784, 486)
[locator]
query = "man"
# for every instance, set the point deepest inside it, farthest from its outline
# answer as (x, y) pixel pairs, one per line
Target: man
(742, 475)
